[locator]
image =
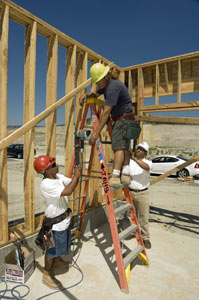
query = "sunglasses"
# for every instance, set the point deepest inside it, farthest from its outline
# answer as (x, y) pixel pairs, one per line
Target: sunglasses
(52, 166)
(141, 149)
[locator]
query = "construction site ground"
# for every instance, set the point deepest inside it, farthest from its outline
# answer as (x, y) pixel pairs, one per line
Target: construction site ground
(173, 259)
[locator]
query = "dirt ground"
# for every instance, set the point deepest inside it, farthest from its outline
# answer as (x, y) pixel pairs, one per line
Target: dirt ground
(174, 205)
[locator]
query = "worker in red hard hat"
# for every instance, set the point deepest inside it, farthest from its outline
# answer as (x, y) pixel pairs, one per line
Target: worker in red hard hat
(55, 188)
(118, 106)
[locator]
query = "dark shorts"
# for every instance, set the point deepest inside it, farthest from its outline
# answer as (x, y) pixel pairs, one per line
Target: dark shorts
(62, 241)
(119, 142)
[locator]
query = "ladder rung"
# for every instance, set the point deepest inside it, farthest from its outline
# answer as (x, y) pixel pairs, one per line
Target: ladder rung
(123, 234)
(109, 164)
(88, 126)
(73, 199)
(132, 255)
(122, 209)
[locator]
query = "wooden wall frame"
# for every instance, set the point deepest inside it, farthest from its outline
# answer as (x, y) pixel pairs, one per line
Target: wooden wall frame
(171, 76)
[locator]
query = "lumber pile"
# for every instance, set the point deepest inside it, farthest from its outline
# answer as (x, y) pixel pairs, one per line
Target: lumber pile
(186, 179)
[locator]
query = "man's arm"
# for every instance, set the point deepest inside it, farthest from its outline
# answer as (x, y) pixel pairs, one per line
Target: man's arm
(103, 120)
(142, 164)
(72, 185)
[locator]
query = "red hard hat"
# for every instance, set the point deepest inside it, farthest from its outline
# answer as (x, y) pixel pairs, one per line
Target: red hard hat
(42, 162)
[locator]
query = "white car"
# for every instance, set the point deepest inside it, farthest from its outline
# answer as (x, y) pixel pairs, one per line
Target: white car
(164, 163)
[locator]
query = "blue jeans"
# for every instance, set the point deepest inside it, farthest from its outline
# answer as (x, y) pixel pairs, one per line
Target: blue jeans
(62, 241)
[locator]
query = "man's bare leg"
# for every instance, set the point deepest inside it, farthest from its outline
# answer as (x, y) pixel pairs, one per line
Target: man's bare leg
(117, 166)
(119, 156)
(125, 178)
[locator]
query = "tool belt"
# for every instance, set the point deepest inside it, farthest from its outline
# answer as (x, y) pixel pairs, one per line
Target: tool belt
(138, 191)
(125, 116)
(44, 239)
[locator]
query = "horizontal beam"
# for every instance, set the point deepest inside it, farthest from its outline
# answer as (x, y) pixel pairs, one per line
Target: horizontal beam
(164, 60)
(23, 17)
(193, 105)
(176, 120)
(174, 170)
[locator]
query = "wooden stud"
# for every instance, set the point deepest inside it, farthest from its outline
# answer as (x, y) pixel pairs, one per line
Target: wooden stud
(121, 76)
(51, 95)
(130, 83)
(166, 78)
(4, 25)
(140, 100)
(81, 76)
(69, 110)
(157, 84)
(29, 112)
(69, 107)
(179, 80)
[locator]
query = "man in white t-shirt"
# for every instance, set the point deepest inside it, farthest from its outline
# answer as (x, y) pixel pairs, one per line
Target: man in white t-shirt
(140, 180)
(55, 188)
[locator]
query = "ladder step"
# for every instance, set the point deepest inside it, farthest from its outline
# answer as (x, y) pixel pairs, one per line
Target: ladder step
(123, 234)
(116, 187)
(132, 255)
(121, 210)
(110, 164)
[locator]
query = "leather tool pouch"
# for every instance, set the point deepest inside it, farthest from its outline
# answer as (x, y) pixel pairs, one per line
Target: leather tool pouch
(131, 131)
(45, 239)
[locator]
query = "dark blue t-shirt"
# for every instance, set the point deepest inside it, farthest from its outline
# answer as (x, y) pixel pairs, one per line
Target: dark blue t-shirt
(117, 95)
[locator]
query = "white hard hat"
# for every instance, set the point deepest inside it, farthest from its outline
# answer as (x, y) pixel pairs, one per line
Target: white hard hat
(143, 145)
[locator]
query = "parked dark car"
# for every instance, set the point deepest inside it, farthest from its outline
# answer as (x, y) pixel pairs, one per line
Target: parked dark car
(16, 150)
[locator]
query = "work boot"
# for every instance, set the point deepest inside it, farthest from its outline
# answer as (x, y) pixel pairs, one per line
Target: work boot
(114, 180)
(51, 281)
(147, 244)
(59, 263)
(125, 178)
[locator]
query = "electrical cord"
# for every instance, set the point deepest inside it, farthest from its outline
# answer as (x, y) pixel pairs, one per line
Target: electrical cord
(16, 295)
(13, 291)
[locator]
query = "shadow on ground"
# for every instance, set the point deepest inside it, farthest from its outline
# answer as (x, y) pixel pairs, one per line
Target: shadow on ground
(175, 220)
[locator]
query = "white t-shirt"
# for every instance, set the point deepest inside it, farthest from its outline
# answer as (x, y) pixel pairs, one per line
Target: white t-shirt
(56, 204)
(140, 179)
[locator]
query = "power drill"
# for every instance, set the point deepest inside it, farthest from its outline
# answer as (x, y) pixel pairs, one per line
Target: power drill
(80, 137)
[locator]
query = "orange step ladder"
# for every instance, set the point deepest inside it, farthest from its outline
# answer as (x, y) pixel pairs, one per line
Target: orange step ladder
(123, 263)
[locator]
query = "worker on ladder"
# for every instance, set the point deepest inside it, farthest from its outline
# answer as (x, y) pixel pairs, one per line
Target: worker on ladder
(118, 105)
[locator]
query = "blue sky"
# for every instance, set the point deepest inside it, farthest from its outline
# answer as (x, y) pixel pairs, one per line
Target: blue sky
(126, 32)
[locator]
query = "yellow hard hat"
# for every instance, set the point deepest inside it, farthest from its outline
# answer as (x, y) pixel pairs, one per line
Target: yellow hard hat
(98, 71)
